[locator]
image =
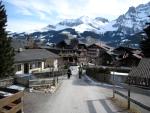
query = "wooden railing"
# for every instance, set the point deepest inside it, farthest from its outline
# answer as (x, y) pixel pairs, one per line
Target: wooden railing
(52, 79)
(133, 89)
(41, 82)
(12, 104)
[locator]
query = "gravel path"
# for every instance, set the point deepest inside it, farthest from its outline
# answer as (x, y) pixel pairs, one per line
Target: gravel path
(73, 96)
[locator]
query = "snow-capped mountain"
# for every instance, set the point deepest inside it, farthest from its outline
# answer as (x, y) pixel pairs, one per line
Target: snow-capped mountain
(80, 24)
(134, 19)
(122, 30)
(130, 24)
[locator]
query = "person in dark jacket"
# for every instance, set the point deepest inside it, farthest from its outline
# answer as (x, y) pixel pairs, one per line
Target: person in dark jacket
(80, 72)
(69, 73)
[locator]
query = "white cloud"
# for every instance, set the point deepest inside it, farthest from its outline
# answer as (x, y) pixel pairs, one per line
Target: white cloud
(48, 10)
(75, 8)
(25, 11)
(24, 26)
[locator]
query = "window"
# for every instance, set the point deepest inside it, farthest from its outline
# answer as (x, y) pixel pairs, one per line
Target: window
(18, 67)
(39, 64)
(31, 65)
(35, 65)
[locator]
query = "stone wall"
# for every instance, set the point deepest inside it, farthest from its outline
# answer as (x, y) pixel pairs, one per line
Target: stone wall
(6, 82)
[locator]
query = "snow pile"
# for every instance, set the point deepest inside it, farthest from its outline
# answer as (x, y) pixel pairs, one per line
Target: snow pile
(5, 94)
(20, 88)
(119, 73)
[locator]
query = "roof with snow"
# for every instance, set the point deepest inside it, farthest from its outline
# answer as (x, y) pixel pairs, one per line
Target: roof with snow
(142, 70)
(94, 45)
(101, 45)
(34, 55)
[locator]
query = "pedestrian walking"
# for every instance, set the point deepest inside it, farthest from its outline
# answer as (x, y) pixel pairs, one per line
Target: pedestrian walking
(80, 72)
(69, 73)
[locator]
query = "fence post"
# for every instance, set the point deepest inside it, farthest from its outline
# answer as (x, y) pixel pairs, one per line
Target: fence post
(129, 96)
(54, 83)
(113, 85)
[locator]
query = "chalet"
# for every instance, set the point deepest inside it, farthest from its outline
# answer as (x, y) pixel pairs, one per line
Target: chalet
(82, 51)
(66, 51)
(140, 75)
(126, 56)
(35, 60)
(97, 54)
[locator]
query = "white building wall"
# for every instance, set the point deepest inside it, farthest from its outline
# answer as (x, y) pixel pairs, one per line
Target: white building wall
(55, 63)
(43, 63)
(40, 69)
(34, 70)
(21, 71)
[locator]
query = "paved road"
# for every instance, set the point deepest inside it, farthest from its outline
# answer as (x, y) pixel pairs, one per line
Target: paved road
(73, 96)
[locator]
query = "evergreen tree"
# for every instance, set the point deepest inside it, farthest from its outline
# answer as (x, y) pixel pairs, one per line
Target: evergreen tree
(145, 44)
(6, 51)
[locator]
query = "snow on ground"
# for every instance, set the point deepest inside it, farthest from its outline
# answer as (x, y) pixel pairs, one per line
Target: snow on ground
(2, 93)
(108, 27)
(20, 88)
(119, 73)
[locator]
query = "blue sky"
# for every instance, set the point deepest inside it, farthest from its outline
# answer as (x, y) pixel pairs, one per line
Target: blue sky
(28, 15)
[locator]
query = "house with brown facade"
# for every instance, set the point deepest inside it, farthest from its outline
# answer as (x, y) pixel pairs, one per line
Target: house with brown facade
(82, 54)
(126, 56)
(98, 54)
(140, 75)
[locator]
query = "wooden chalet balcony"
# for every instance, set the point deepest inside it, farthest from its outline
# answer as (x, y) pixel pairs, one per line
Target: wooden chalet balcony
(67, 54)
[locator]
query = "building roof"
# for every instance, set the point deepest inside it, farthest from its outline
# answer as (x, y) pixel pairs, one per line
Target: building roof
(94, 45)
(34, 55)
(101, 45)
(142, 70)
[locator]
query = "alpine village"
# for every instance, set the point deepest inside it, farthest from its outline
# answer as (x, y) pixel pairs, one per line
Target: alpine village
(81, 65)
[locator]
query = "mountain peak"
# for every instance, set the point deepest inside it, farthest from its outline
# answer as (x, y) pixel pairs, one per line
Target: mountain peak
(132, 10)
(84, 18)
(104, 20)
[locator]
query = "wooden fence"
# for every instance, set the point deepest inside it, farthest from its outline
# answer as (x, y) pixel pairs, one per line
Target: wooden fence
(133, 89)
(11, 104)
(41, 82)
(48, 78)
(52, 80)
